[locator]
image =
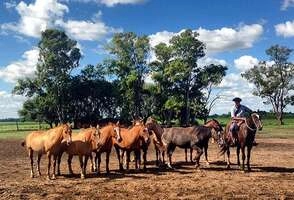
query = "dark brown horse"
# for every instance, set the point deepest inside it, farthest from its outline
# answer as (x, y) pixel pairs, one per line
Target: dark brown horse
(47, 142)
(195, 137)
(245, 138)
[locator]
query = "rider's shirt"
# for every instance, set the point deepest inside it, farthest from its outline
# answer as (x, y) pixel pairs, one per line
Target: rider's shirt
(241, 111)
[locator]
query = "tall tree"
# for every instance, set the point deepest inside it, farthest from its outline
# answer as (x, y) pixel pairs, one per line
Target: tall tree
(58, 56)
(129, 65)
(187, 49)
(274, 82)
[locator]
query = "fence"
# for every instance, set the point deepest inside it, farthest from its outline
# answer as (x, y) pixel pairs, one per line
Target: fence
(22, 126)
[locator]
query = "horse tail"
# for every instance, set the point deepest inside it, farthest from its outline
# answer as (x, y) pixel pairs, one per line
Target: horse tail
(23, 143)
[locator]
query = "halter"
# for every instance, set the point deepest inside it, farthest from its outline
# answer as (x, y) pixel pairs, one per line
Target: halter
(249, 126)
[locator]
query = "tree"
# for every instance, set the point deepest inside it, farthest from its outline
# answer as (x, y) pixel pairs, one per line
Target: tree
(274, 82)
(58, 56)
(129, 65)
(184, 70)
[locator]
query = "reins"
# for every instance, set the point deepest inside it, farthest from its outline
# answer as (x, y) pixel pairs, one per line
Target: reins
(249, 126)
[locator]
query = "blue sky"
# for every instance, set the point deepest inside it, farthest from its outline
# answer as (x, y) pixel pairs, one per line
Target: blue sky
(236, 33)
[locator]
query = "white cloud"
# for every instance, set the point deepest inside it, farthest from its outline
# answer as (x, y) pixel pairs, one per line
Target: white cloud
(286, 29)
(86, 30)
(218, 40)
(286, 4)
(233, 85)
(209, 60)
(10, 4)
(229, 39)
(109, 3)
(36, 17)
(22, 68)
(245, 63)
(10, 104)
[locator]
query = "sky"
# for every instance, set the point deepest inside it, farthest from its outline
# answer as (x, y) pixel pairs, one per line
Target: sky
(236, 33)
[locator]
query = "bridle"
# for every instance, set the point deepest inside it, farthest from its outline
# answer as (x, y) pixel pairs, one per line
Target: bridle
(252, 129)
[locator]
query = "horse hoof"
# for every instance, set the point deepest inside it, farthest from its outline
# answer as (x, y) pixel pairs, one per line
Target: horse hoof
(207, 163)
(82, 176)
(32, 176)
(228, 167)
(53, 177)
(48, 178)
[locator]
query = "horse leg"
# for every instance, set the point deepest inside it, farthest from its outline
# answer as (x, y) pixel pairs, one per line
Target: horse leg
(54, 166)
(243, 158)
(69, 164)
(186, 159)
(238, 155)
(85, 164)
(128, 159)
(170, 150)
(144, 159)
(137, 158)
(191, 155)
(98, 155)
(228, 161)
(58, 164)
(248, 157)
(38, 163)
(81, 166)
(205, 153)
(92, 166)
(49, 165)
(118, 157)
(107, 162)
(31, 156)
(198, 155)
(157, 155)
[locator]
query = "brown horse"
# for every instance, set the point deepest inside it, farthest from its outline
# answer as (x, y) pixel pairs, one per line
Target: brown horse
(183, 137)
(131, 140)
(245, 138)
(48, 142)
(216, 128)
(105, 143)
(156, 128)
(83, 144)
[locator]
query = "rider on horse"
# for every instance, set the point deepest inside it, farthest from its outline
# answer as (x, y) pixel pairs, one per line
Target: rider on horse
(239, 113)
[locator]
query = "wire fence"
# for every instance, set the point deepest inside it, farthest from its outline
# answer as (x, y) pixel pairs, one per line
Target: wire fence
(22, 126)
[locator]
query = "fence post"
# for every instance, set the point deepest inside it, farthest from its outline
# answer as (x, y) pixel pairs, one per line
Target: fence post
(17, 129)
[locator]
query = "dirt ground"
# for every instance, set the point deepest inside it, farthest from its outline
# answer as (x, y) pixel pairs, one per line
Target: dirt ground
(272, 177)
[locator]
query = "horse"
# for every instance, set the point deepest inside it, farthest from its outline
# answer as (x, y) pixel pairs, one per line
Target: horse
(245, 138)
(214, 125)
(48, 142)
(156, 128)
(105, 143)
(131, 140)
(195, 137)
(83, 144)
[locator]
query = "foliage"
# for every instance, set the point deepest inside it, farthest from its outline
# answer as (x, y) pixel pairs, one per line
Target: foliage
(274, 82)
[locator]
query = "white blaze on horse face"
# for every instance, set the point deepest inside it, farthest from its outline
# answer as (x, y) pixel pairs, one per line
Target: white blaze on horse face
(117, 131)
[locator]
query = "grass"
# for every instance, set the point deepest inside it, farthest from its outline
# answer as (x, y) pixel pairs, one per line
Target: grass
(8, 130)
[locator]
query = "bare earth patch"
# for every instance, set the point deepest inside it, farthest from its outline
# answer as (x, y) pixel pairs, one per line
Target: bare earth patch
(272, 177)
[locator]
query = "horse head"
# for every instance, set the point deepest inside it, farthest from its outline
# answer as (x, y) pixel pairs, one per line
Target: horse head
(66, 133)
(116, 130)
(144, 134)
(257, 121)
(217, 130)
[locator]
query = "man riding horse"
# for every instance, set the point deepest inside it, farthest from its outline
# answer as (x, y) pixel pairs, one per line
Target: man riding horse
(238, 116)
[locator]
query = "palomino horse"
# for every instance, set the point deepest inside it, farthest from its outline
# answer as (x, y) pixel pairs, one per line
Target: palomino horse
(48, 142)
(105, 143)
(83, 144)
(131, 140)
(245, 138)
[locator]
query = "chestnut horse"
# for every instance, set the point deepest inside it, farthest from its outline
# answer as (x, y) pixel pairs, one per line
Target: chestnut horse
(131, 140)
(48, 142)
(245, 138)
(105, 143)
(83, 144)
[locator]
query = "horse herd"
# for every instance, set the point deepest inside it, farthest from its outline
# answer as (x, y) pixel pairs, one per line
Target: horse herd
(98, 140)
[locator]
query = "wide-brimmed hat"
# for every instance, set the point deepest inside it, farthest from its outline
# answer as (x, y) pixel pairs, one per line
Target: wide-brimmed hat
(237, 99)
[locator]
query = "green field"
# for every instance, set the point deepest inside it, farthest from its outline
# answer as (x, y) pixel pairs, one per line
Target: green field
(10, 130)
